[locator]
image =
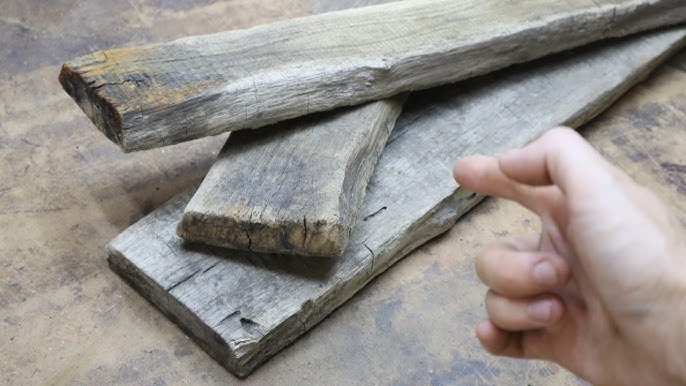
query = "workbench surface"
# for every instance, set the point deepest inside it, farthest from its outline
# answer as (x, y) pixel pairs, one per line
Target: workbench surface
(66, 191)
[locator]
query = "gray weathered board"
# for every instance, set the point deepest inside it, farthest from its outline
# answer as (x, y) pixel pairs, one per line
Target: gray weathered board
(157, 95)
(267, 185)
(292, 190)
(242, 308)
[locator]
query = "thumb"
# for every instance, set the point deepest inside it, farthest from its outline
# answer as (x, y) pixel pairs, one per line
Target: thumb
(563, 158)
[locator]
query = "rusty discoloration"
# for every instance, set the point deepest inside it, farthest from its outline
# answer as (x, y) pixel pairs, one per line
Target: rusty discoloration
(101, 111)
(115, 99)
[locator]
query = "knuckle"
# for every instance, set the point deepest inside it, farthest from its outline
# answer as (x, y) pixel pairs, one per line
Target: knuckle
(486, 262)
(495, 305)
(559, 134)
(479, 268)
(490, 301)
(509, 278)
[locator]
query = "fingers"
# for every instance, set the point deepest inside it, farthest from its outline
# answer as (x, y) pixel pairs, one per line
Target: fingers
(523, 314)
(560, 157)
(520, 304)
(516, 272)
(557, 169)
(528, 344)
(498, 341)
(530, 164)
(483, 175)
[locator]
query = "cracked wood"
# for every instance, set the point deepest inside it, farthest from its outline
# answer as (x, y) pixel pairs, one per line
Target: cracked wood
(266, 186)
(285, 296)
(294, 188)
(157, 95)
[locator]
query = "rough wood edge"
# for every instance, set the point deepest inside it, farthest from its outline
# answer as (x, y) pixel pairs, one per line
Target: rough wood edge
(288, 232)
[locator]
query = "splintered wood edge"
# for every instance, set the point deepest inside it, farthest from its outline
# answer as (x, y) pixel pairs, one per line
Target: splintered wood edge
(197, 227)
(292, 232)
(201, 333)
(97, 108)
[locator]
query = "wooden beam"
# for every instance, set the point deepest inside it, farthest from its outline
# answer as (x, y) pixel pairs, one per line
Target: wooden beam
(295, 189)
(157, 95)
(242, 308)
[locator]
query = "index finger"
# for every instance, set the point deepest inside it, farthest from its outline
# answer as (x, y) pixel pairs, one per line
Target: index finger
(560, 157)
(483, 175)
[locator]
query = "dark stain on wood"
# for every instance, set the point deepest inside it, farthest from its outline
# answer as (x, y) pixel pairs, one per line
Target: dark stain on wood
(675, 174)
(646, 116)
(673, 168)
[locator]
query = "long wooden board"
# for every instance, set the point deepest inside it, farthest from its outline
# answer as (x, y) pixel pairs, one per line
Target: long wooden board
(162, 94)
(242, 308)
(292, 190)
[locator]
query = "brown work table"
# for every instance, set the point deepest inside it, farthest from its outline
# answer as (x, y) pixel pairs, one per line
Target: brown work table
(66, 191)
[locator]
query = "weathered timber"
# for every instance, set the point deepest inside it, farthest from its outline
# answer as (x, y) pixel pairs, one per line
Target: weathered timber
(292, 190)
(242, 308)
(338, 5)
(268, 185)
(157, 95)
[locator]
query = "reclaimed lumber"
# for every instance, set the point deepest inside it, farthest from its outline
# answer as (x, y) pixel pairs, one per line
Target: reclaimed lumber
(292, 190)
(267, 185)
(242, 308)
(162, 94)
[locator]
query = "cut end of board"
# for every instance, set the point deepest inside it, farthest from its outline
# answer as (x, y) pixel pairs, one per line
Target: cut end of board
(211, 341)
(97, 108)
(293, 189)
(312, 239)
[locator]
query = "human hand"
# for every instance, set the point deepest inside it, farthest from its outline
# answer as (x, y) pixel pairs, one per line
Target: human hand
(602, 289)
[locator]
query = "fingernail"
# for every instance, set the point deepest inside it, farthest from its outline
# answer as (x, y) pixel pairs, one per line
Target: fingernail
(544, 274)
(483, 327)
(541, 310)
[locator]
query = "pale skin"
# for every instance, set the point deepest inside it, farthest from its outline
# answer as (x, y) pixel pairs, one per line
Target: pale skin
(602, 289)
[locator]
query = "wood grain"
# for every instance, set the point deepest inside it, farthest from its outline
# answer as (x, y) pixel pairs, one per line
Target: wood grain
(267, 185)
(295, 189)
(157, 95)
(242, 308)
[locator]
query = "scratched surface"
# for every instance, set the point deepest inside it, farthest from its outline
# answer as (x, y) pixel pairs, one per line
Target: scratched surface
(65, 191)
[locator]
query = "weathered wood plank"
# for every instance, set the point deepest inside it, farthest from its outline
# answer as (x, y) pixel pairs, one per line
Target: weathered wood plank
(292, 190)
(163, 94)
(267, 185)
(242, 307)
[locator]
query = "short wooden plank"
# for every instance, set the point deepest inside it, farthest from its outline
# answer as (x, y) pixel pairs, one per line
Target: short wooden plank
(243, 308)
(268, 185)
(292, 190)
(157, 95)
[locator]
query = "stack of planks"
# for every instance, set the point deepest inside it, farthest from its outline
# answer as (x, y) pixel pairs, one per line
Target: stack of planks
(348, 172)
